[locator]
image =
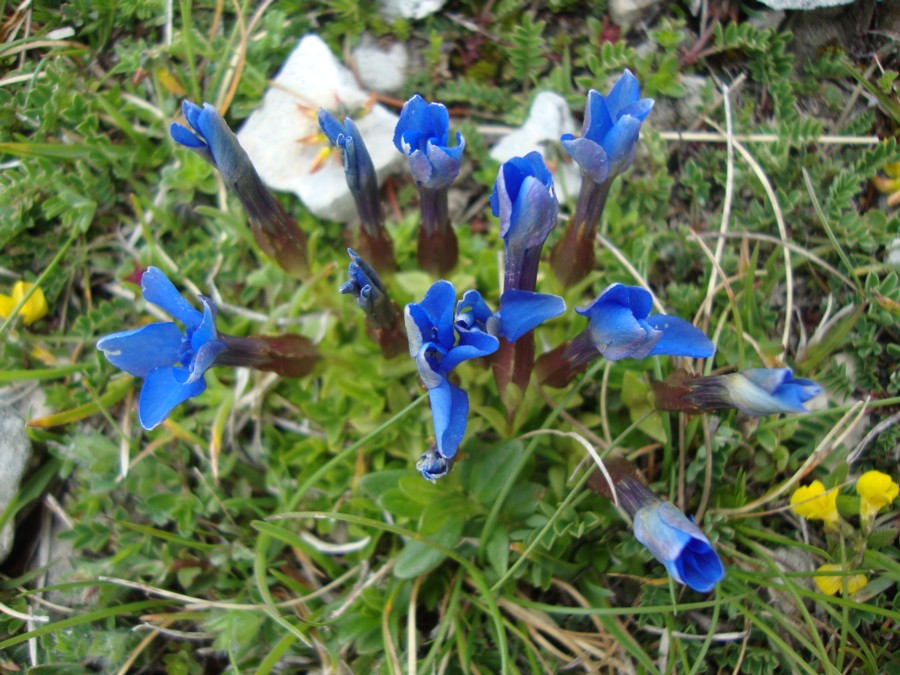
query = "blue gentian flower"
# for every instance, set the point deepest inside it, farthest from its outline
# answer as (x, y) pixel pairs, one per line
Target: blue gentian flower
(672, 538)
(620, 327)
(422, 134)
(678, 544)
(754, 391)
(525, 202)
(434, 345)
(276, 233)
(612, 125)
(172, 363)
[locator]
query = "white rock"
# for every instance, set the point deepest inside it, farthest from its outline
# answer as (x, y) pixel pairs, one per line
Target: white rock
(628, 12)
(274, 134)
(381, 68)
(15, 451)
(804, 4)
(893, 253)
(548, 119)
(409, 9)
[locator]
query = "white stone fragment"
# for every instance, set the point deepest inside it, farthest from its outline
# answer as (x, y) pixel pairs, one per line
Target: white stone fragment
(629, 12)
(804, 4)
(548, 119)
(409, 9)
(276, 135)
(893, 253)
(381, 68)
(15, 451)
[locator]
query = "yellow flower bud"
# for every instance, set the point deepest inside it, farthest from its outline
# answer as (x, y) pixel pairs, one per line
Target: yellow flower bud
(31, 311)
(876, 490)
(813, 503)
(832, 583)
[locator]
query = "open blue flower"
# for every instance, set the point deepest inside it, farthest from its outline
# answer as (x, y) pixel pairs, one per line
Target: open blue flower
(678, 544)
(172, 363)
(525, 202)
(612, 125)
(434, 346)
(754, 391)
(422, 134)
(620, 327)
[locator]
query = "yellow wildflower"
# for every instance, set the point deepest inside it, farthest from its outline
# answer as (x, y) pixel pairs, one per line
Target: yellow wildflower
(876, 490)
(832, 583)
(31, 311)
(813, 503)
(890, 185)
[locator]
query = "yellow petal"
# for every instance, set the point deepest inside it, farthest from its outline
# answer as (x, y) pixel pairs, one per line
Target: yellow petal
(814, 503)
(876, 490)
(31, 311)
(833, 583)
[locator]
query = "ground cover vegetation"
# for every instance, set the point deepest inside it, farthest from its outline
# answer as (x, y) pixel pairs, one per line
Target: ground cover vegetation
(267, 514)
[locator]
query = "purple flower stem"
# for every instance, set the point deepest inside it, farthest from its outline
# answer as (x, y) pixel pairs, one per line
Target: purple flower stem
(438, 247)
(573, 257)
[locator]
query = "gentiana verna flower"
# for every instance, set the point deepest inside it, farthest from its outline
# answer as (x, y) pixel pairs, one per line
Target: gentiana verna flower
(620, 326)
(375, 243)
(605, 149)
(524, 200)
(814, 502)
(276, 233)
(754, 391)
(520, 313)
(173, 362)
(422, 134)
(33, 309)
(672, 538)
(382, 315)
(876, 490)
(612, 125)
(434, 345)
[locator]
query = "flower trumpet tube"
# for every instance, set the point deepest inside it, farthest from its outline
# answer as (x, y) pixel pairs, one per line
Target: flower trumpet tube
(620, 326)
(173, 362)
(382, 316)
(672, 538)
(524, 200)
(606, 148)
(422, 134)
(755, 392)
(276, 233)
(374, 241)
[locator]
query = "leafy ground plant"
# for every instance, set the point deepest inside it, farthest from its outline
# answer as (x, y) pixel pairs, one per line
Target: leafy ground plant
(266, 514)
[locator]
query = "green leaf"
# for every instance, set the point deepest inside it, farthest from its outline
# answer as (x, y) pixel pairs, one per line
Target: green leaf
(418, 557)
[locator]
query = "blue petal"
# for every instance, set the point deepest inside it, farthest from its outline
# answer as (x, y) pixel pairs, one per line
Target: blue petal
(532, 217)
(429, 362)
(589, 156)
(472, 345)
(679, 338)
(639, 109)
(191, 112)
(204, 359)
(699, 566)
(330, 126)
(438, 304)
(768, 379)
(163, 389)
(522, 311)
(206, 331)
(450, 409)
(161, 292)
(795, 393)
(139, 351)
(415, 118)
(620, 144)
(618, 335)
(472, 311)
(638, 300)
(183, 136)
(625, 91)
(597, 120)
(422, 169)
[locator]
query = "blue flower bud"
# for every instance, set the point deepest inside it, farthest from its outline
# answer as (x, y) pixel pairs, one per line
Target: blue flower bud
(422, 134)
